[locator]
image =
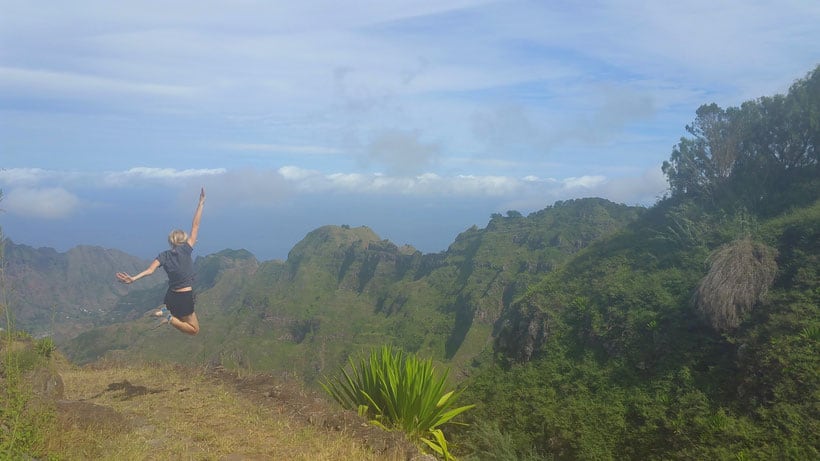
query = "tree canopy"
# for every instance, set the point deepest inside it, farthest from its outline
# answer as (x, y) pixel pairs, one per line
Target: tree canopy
(743, 156)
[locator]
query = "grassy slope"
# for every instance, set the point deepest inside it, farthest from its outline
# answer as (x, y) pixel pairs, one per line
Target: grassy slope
(152, 411)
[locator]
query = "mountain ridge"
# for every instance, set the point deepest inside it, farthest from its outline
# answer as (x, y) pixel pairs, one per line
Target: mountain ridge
(59, 293)
(345, 289)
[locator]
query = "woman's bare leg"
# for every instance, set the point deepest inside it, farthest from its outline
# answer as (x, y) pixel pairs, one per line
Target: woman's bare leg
(188, 324)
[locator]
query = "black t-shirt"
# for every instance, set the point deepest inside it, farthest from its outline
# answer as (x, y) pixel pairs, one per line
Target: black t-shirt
(179, 266)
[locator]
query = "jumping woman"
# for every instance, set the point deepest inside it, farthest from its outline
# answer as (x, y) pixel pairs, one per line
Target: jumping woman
(178, 264)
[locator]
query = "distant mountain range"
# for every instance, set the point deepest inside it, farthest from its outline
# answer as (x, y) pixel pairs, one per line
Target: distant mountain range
(340, 290)
(61, 294)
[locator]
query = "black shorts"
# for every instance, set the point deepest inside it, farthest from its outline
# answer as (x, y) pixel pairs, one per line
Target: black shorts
(180, 303)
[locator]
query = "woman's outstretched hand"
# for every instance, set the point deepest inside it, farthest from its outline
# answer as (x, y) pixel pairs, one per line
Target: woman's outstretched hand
(124, 278)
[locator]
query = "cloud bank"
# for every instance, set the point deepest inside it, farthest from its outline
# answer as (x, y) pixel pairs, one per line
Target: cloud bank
(55, 194)
(419, 117)
(43, 203)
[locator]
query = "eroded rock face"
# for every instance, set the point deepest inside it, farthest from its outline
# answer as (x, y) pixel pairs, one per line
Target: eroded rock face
(523, 332)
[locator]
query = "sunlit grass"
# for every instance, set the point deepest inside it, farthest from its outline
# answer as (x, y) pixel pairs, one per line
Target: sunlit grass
(182, 414)
(21, 417)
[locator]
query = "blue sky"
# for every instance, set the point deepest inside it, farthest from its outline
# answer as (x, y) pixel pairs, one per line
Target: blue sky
(415, 118)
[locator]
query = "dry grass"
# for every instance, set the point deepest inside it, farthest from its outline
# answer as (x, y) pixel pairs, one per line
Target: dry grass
(740, 274)
(162, 412)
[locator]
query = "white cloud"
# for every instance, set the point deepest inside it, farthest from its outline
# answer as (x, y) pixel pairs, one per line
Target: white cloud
(73, 84)
(423, 185)
(644, 189)
(260, 186)
(294, 173)
(23, 176)
(138, 175)
(586, 182)
(267, 211)
(45, 203)
(33, 177)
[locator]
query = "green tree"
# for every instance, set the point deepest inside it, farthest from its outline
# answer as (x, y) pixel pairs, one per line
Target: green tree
(699, 165)
(751, 156)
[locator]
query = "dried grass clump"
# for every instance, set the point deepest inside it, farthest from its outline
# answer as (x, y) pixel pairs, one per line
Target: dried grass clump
(739, 276)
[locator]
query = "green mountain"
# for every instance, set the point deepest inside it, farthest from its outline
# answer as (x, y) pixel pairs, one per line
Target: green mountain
(620, 353)
(694, 333)
(63, 293)
(343, 290)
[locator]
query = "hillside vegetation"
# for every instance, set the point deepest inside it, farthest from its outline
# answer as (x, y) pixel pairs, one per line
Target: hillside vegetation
(692, 334)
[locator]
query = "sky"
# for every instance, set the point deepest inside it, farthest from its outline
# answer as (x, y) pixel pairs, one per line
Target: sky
(416, 118)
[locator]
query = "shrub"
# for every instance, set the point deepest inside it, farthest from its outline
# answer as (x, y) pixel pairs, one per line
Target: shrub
(45, 347)
(401, 392)
(22, 421)
(740, 274)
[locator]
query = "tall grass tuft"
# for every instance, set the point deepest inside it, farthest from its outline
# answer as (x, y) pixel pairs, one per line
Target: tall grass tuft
(739, 277)
(398, 391)
(21, 423)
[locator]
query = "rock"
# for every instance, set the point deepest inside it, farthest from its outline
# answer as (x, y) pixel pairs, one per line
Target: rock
(47, 384)
(85, 415)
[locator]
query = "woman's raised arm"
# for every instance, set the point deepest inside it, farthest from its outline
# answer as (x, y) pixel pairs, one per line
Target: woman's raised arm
(197, 217)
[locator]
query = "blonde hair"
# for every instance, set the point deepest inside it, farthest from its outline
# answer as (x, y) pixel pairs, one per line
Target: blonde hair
(177, 237)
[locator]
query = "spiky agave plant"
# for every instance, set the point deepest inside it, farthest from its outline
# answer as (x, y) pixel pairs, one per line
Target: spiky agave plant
(398, 391)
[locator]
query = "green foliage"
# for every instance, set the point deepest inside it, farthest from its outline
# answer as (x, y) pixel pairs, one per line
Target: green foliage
(605, 358)
(399, 391)
(628, 371)
(811, 333)
(489, 442)
(761, 156)
(45, 347)
(22, 421)
(661, 388)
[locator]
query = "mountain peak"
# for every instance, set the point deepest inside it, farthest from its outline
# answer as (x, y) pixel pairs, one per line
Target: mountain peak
(330, 238)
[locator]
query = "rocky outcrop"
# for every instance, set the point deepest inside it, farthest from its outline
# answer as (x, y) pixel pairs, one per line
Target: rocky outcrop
(523, 331)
